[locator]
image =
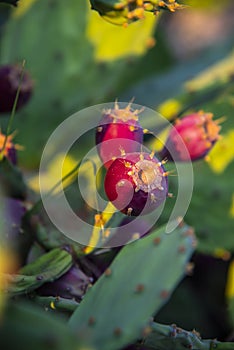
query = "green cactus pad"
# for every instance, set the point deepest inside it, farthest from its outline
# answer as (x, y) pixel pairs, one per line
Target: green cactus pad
(25, 326)
(116, 311)
(46, 268)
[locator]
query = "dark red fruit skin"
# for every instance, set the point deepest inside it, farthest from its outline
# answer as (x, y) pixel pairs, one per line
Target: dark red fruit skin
(191, 138)
(9, 83)
(125, 196)
(125, 136)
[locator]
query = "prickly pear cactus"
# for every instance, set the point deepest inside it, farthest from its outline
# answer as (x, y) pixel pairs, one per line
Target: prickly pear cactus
(172, 337)
(116, 311)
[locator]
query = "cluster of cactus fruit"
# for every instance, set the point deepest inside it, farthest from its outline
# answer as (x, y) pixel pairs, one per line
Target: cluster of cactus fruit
(62, 280)
(136, 182)
(127, 11)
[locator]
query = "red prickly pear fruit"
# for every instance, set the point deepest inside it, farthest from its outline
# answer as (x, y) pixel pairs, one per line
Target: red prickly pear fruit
(10, 79)
(10, 151)
(136, 183)
(121, 128)
(192, 137)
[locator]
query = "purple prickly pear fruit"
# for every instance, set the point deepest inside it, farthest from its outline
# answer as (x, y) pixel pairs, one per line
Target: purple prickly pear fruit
(122, 128)
(10, 76)
(192, 137)
(15, 236)
(129, 229)
(14, 210)
(72, 285)
(136, 183)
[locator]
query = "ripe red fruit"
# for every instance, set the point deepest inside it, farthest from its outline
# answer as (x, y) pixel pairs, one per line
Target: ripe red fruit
(10, 76)
(136, 183)
(192, 137)
(121, 128)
